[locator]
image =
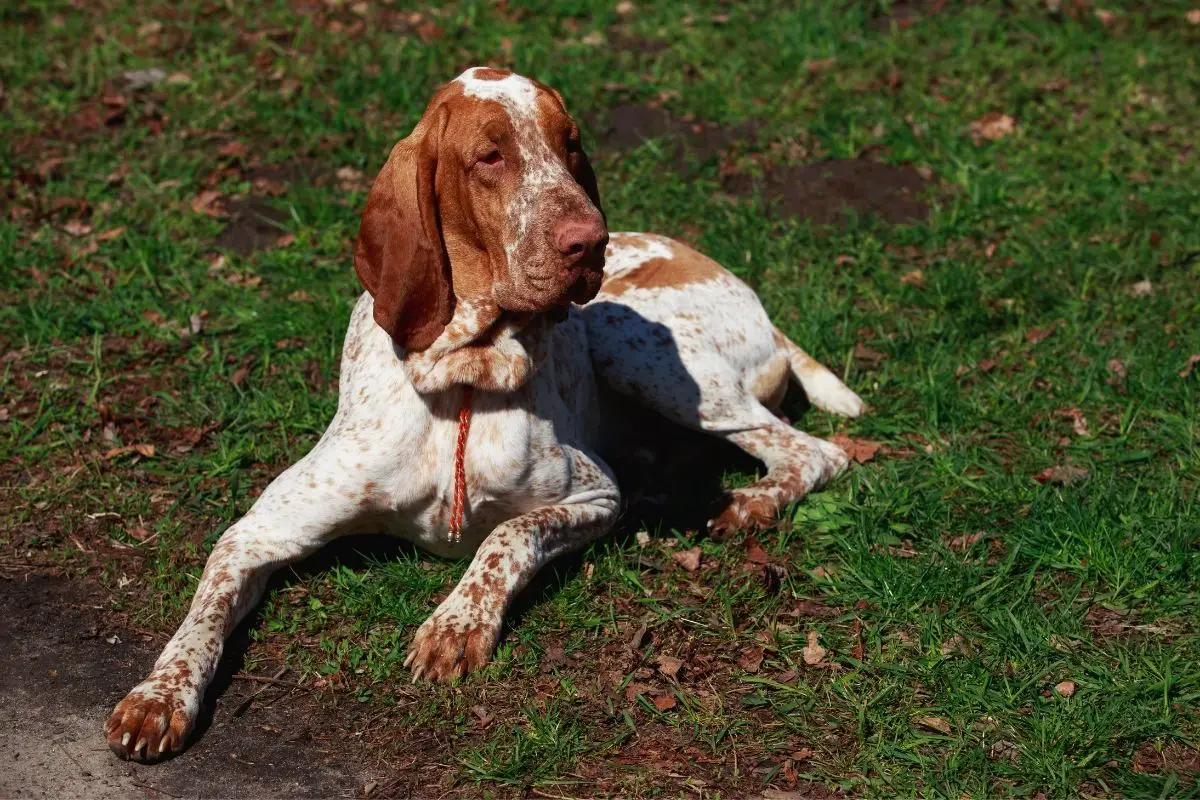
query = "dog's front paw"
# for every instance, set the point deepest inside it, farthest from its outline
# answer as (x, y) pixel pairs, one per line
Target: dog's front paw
(459, 637)
(747, 509)
(152, 722)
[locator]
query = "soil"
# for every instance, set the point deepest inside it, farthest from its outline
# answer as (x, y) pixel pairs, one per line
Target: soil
(824, 192)
(630, 126)
(255, 225)
(62, 668)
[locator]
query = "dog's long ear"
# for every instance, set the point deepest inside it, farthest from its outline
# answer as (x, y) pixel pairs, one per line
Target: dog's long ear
(400, 256)
(581, 168)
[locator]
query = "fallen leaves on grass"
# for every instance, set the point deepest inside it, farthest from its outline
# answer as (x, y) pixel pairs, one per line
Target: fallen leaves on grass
(755, 554)
(815, 65)
(992, 126)
(663, 701)
(868, 357)
(210, 203)
(688, 559)
(751, 659)
(939, 724)
(77, 227)
(1193, 16)
(145, 450)
(1062, 475)
(913, 278)
(669, 665)
(1141, 289)
(1065, 688)
(860, 450)
(961, 544)
(955, 644)
(1117, 368)
(240, 375)
(1038, 335)
(813, 653)
(1192, 361)
(1078, 420)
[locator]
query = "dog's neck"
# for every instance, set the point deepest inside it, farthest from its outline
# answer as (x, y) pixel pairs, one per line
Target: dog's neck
(482, 347)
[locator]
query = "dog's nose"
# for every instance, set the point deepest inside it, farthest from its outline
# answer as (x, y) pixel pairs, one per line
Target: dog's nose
(577, 239)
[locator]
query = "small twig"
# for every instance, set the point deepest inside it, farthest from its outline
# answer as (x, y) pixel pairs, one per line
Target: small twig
(142, 785)
(78, 766)
(273, 681)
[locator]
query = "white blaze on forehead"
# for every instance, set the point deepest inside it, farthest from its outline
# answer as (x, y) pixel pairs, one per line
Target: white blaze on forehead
(541, 169)
(515, 92)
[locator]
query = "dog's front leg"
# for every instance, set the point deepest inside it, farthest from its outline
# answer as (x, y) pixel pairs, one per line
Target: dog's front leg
(462, 632)
(299, 512)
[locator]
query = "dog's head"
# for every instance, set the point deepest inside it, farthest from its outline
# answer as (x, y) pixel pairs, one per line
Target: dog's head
(490, 199)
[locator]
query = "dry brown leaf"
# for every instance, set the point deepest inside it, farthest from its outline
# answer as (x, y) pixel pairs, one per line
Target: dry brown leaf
(939, 724)
(751, 659)
(286, 240)
(962, 543)
(1107, 18)
(77, 227)
(239, 377)
(1036, 335)
(669, 666)
(1063, 475)
(755, 554)
(1141, 289)
(860, 450)
(1192, 361)
(625, 7)
(992, 126)
(1193, 16)
(110, 234)
(1078, 420)
(233, 149)
(688, 559)
(815, 65)
(209, 202)
(1117, 368)
(913, 278)
(144, 449)
(813, 653)
(867, 356)
(1065, 688)
(663, 701)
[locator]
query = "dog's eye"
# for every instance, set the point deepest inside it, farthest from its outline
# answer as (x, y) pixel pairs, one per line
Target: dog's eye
(492, 158)
(573, 145)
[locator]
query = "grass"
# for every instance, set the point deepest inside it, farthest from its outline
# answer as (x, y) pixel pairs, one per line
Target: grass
(1021, 345)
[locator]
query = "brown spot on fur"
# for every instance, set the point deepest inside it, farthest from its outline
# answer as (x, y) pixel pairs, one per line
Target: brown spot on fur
(490, 74)
(685, 268)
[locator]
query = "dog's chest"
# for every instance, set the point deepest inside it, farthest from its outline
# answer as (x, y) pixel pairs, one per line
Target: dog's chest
(517, 455)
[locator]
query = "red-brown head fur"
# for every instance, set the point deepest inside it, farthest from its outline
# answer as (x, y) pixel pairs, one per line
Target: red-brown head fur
(490, 199)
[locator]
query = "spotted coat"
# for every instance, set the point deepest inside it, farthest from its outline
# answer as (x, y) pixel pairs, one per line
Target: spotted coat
(489, 307)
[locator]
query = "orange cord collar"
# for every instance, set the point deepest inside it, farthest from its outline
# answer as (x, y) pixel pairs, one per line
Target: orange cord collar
(460, 468)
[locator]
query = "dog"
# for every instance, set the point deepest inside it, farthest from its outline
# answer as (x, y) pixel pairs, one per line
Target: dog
(502, 343)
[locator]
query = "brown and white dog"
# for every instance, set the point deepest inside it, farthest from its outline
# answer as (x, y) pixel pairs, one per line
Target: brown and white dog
(481, 234)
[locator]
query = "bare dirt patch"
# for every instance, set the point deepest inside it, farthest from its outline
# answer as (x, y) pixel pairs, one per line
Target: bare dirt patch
(255, 225)
(629, 126)
(64, 664)
(825, 192)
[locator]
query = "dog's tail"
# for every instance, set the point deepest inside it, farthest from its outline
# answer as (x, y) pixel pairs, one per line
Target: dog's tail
(823, 388)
